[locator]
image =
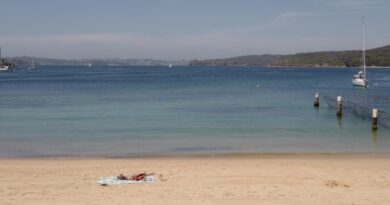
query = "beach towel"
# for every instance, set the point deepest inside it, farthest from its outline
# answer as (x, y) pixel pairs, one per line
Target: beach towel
(114, 181)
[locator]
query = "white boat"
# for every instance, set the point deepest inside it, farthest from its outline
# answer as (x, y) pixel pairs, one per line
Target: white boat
(5, 68)
(32, 66)
(360, 79)
(89, 65)
(170, 65)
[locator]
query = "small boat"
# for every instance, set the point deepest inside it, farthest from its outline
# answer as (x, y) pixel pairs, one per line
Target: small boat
(360, 79)
(32, 66)
(170, 66)
(89, 65)
(5, 68)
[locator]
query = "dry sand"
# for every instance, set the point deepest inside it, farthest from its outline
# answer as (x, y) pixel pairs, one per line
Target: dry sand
(261, 179)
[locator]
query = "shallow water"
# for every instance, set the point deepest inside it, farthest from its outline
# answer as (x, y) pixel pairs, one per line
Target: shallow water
(121, 111)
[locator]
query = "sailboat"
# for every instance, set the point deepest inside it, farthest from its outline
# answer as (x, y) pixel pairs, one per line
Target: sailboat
(3, 64)
(32, 66)
(360, 79)
(5, 68)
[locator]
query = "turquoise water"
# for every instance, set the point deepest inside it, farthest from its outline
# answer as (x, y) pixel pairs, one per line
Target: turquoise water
(125, 111)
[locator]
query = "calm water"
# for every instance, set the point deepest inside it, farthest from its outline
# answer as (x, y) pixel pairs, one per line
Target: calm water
(120, 111)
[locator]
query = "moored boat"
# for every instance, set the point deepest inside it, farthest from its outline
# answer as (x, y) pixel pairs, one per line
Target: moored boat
(360, 79)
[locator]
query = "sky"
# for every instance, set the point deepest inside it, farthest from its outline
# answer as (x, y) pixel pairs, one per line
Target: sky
(188, 29)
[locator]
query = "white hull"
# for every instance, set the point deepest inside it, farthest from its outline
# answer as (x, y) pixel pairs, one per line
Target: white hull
(5, 68)
(359, 82)
(32, 67)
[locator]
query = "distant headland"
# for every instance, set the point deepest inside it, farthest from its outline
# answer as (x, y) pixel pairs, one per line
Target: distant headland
(377, 57)
(23, 61)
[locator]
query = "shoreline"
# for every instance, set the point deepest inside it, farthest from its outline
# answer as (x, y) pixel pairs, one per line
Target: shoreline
(202, 155)
(216, 66)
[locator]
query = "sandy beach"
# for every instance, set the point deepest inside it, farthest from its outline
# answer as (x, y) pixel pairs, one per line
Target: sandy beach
(246, 179)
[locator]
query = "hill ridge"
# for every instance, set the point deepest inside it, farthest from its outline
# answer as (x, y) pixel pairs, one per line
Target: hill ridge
(347, 58)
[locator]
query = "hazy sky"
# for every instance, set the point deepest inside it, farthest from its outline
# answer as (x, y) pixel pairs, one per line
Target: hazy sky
(184, 29)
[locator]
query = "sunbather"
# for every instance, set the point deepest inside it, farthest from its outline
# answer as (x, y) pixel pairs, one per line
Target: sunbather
(136, 177)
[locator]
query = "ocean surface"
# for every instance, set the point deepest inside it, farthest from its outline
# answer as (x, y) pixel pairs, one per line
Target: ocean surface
(138, 111)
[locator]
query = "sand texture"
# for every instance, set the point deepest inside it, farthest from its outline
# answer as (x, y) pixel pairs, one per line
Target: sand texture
(301, 179)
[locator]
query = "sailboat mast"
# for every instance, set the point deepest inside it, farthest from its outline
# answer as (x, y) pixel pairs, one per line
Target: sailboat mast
(364, 50)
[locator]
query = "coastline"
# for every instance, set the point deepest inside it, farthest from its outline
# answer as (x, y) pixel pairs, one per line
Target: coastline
(266, 178)
(286, 66)
(314, 67)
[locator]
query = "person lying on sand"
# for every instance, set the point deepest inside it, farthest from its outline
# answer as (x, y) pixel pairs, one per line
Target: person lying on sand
(136, 177)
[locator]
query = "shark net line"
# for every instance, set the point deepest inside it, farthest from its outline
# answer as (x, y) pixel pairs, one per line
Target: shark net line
(360, 111)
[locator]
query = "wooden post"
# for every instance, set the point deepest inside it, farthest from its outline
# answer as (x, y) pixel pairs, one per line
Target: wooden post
(339, 106)
(374, 119)
(316, 100)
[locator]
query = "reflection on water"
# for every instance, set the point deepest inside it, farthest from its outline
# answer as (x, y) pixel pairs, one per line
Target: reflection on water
(374, 139)
(339, 121)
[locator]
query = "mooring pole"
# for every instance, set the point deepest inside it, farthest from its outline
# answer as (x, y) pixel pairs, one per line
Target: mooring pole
(316, 100)
(374, 125)
(339, 106)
